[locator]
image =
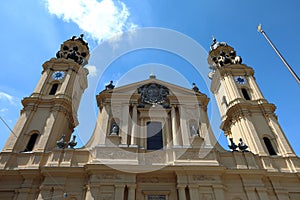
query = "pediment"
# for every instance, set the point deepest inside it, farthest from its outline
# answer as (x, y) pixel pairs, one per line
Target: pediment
(153, 91)
(133, 88)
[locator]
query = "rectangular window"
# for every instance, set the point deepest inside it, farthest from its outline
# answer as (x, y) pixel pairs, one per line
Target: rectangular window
(53, 89)
(156, 197)
(154, 136)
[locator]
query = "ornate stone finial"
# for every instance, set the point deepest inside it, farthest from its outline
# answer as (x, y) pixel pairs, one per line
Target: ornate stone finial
(232, 145)
(72, 143)
(214, 40)
(242, 146)
(110, 86)
(61, 143)
(152, 75)
(195, 88)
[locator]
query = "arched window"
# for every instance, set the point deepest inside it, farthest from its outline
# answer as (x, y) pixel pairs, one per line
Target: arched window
(53, 89)
(269, 146)
(154, 136)
(245, 94)
(31, 142)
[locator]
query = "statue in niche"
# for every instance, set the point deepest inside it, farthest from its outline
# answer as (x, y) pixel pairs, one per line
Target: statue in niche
(194, 131)
(114, 129)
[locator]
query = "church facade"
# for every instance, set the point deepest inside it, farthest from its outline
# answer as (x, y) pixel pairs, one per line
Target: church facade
(152, 139)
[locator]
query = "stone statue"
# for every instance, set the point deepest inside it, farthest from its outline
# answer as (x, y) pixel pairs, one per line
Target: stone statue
(72, 143)
(232, 145)
(110, 86)
(114, 129)
(194, 131)
(61, 143)
(195, 88)
(242, 146)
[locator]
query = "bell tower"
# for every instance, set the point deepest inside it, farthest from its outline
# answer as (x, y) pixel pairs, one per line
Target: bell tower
(51, 110)
(246, 115)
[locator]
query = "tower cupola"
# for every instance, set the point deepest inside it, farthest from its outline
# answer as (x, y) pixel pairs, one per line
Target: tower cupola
(76, 49)
(221, 55)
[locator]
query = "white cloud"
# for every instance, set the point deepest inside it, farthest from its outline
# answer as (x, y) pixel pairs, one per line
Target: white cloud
(99, 20)
(92, 70)
(6, 97)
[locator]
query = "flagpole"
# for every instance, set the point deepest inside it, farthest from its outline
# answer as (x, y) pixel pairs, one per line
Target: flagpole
(259, 29)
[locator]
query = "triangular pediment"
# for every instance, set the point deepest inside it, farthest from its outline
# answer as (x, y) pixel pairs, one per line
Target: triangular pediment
(173, 89)
(153, 91)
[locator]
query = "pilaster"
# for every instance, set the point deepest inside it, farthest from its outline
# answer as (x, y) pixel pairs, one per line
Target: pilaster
(181, 192)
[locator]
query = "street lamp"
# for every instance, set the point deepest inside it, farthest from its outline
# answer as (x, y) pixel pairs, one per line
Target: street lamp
(259, 29)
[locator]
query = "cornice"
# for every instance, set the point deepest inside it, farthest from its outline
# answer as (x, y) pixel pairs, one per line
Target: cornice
(236, 70)
(247, 108)
(61, 64)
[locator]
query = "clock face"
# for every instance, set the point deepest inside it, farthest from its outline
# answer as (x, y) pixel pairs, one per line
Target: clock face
(58, 75)
(240, 79)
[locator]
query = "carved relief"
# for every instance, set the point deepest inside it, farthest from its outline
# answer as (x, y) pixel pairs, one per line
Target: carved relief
(153, 93)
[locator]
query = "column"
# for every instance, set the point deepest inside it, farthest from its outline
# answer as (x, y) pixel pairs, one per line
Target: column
(131, 191)
(143, 137)
(134, 127)
(119, 192)
(181, 192)
(282, 142)
(255, 89)
(184, 128)
(174, 126)
(255, 140)
(219, 192)
(42, 81)
(104, 122)
(233, 86)
(124, 125)
(194, 191)
(228, 92)
(63, 89)
(168, 136)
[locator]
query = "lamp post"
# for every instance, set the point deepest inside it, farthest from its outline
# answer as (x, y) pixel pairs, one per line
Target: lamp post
(259, 29)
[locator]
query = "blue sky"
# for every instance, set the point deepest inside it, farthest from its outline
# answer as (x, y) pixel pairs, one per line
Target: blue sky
(32, 32)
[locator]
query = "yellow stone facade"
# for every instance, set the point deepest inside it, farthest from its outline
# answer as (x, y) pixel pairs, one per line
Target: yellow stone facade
(152, 140)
